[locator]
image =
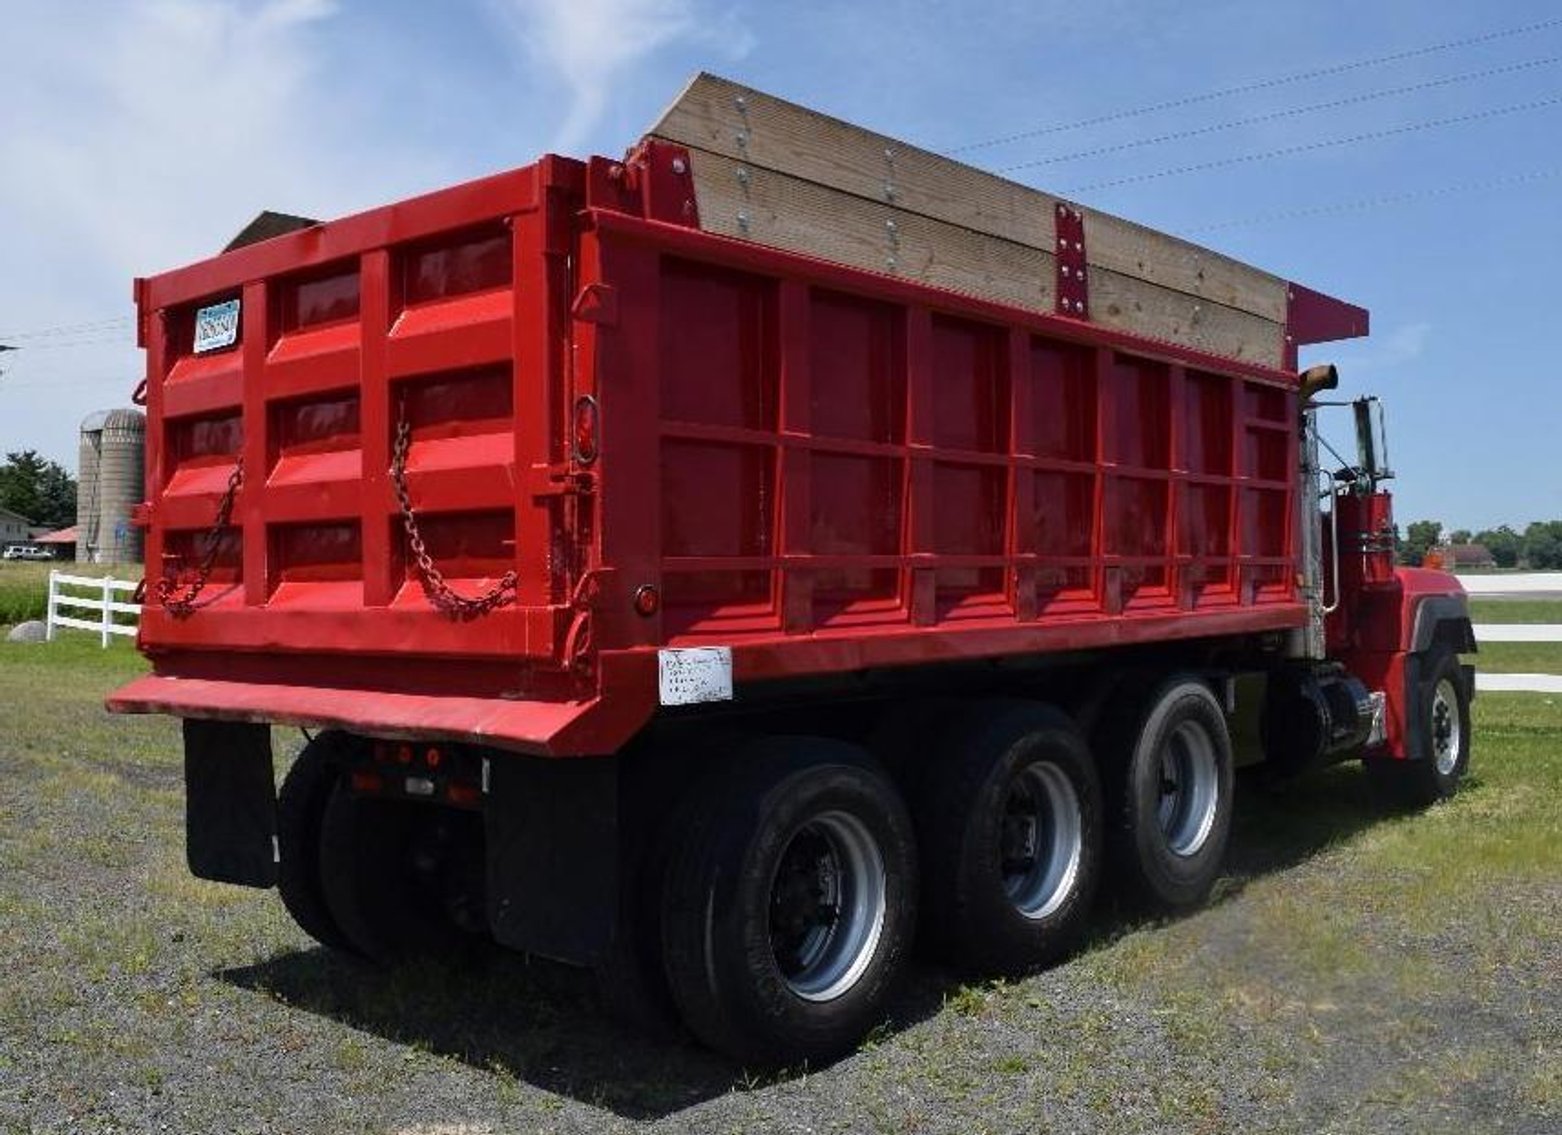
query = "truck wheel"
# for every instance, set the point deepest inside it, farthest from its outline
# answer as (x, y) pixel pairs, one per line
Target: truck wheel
(301, 805)
(1168, 763)
(790, 902)
(399, 878)
(1009, 827)
(1443, 723)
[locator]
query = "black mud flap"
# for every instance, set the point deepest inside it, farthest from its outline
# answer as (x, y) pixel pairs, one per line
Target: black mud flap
(230, 810)
(552, 834)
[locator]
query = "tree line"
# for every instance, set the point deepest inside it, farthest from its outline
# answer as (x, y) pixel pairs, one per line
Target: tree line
(1539, 546)
(40, 490)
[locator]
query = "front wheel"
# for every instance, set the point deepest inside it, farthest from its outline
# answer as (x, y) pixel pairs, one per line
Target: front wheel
(1442, 726)
(790, 903)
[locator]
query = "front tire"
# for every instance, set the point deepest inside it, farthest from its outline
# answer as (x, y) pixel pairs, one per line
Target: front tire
(790, 903)
(1168, 757)
(1442, 723)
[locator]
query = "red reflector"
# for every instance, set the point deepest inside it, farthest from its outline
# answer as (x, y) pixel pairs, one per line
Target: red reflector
(404, 754)
(461, 794)
(433, 757)
(647, 600)
(364, 781)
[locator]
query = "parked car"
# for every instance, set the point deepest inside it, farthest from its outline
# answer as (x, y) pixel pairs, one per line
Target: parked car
(26, 552)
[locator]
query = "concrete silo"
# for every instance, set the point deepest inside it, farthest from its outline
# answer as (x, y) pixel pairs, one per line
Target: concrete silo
(111, 481)
(87, 466)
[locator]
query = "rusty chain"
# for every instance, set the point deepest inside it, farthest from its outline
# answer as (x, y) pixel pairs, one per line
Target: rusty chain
(440, 593)
(168, 587)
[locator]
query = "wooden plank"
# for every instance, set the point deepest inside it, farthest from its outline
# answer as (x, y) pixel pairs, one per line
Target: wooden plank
(1143, 308)
(802, 216)
(778, 135)
(761, 131)
(1143, 253)
(751, 202)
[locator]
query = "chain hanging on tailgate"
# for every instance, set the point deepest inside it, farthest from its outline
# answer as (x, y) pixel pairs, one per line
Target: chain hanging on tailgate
(440, 593)
(179, 598)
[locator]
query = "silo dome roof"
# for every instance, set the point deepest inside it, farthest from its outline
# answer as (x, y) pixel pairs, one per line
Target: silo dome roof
(124, 419)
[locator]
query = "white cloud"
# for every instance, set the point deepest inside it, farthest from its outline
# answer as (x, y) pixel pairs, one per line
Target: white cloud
(136, 137)
(1385, 351)
(591, 45)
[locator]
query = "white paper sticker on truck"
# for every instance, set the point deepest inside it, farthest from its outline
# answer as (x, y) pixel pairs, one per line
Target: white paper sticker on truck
(698, 674)
(217, 326)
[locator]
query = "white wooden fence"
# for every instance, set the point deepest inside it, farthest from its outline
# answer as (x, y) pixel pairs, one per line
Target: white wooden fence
(66, 591)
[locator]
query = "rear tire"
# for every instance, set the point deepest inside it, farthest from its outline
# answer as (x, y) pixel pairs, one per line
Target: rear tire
(1168, 760)
(398, 877)
(790, 902)
(1009, 825)
(301, 806)
(1442, 721)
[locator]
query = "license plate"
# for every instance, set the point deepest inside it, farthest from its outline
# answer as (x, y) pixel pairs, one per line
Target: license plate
(216, 326)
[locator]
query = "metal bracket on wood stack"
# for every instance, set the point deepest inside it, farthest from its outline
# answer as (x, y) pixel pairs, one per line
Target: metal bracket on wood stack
(662, 174)
(1073, 280)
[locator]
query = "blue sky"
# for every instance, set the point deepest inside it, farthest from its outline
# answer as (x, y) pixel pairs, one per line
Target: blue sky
(135, 136)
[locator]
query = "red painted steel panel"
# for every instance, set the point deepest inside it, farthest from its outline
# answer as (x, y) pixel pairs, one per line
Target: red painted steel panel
(822, 468)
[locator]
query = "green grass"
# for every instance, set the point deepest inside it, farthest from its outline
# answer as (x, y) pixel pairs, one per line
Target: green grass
(1520, 658)
(24, 587)
(1516, 610)
(1357, 971)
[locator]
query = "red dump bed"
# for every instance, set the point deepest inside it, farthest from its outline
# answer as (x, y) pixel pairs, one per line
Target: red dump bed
(673, 439)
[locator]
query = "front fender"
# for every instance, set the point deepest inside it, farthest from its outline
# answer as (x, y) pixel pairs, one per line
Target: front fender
(1434, 608)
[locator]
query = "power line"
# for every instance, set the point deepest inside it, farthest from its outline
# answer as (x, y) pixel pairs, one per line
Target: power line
(1309, 147)
(1260, 85)
(1366, 203)
(64, 380)
(1276, 115)
(70, 329)
(69, 344)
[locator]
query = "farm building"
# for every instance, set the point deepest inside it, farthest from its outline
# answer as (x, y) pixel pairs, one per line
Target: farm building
(14, 527)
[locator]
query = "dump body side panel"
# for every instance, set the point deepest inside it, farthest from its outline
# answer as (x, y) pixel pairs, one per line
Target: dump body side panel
(825, 469)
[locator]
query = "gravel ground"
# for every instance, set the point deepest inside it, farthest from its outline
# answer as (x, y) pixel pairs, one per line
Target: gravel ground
(1355, 973)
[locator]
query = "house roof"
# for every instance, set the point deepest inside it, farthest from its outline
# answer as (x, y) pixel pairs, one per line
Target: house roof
(9, 515)
(58, 536)
(1470, 554)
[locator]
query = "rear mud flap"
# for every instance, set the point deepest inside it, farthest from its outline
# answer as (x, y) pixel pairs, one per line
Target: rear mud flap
(552, 835)
(230, 802)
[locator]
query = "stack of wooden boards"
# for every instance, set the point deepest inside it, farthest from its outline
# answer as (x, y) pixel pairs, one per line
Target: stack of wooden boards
(782, 175)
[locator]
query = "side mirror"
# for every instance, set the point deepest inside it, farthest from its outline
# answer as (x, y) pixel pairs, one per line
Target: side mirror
(1371, 439)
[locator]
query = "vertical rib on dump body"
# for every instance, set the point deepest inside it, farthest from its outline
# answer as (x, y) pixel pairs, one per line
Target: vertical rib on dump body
(672, 438)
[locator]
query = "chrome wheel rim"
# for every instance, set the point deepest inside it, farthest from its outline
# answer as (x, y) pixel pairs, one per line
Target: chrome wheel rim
(827, 906)
(1447, 727)
(1041, 840)
(1189, 792)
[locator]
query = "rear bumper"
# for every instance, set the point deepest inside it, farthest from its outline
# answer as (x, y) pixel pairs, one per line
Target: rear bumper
(543, 728)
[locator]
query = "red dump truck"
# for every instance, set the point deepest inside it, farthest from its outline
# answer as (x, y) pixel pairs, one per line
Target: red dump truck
(728, 565)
